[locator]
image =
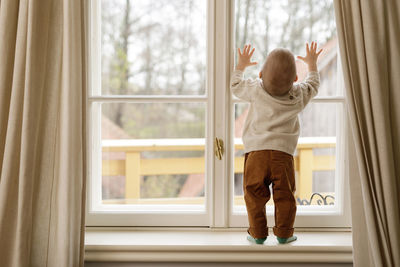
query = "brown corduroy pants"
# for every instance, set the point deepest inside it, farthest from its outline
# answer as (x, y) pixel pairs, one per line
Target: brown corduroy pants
(261, 168)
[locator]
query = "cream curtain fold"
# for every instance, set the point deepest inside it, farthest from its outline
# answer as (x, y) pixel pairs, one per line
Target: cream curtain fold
(42, 133)
(369, 38)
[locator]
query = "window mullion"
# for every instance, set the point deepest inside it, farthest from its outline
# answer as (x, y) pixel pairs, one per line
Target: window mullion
(318, 99)
(222, 110)
(147, 99)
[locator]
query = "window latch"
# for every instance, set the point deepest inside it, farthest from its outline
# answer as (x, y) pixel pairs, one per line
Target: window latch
(219, 148)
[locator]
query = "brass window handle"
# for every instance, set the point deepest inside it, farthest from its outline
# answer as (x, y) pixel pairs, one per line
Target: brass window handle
(219, 148)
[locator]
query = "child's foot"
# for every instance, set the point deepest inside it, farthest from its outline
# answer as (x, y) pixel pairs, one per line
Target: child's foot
(286, 240)
(256, 240)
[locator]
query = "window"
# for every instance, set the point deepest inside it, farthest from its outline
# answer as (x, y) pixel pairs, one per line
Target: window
(148, 107)
(159, 96)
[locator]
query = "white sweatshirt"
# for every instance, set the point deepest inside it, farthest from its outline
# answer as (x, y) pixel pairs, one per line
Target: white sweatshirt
(272, 122)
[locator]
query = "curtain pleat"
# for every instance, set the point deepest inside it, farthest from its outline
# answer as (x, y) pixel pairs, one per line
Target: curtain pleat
(369, 34)
(42, 135)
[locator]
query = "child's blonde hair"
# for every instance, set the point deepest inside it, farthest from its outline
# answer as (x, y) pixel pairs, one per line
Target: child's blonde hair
(279, 72)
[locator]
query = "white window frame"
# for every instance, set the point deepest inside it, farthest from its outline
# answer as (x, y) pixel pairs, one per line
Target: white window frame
(97, 216)
(219, 173)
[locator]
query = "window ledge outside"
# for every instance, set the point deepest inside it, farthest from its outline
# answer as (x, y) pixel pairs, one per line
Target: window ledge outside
(212, 245)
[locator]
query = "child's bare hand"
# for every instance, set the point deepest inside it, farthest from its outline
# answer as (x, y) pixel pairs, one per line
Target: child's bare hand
(311, 57)
(244, 58)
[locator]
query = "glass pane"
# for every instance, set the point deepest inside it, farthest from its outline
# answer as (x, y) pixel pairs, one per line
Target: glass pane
(241, 110)
(153, 47)
(153, 153)
(316, 154)
(315, 157)
(268, 24)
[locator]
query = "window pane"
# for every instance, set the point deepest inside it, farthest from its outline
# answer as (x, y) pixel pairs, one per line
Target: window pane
(153, 154)
(315, 157)
(153, 47)
(241, 110)
(316, 154)
(267, 24)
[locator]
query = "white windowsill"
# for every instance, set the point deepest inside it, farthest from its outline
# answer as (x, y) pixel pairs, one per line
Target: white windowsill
(211, 245)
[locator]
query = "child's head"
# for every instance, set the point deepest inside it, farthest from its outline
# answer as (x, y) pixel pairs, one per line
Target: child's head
(279, 72)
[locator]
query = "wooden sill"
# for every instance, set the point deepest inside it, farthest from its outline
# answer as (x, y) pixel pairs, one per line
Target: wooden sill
(212, 245)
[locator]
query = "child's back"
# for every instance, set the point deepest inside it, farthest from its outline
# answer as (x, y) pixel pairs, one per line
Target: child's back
(270, 136)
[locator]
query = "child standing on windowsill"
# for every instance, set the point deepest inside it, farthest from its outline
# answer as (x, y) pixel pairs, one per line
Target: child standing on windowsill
(270, 135)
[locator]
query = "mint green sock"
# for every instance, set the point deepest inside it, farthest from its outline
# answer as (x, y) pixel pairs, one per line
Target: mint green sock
(286, 240)
(259, 241)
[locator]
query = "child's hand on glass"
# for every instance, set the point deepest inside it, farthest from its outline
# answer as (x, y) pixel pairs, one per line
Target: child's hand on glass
(311, 57)
(244, 58)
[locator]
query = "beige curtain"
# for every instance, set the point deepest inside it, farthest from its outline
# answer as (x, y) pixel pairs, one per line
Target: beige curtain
(42, 168)
(369, 39)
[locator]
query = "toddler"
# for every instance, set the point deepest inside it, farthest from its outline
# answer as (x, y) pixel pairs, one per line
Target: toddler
(270, 135)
